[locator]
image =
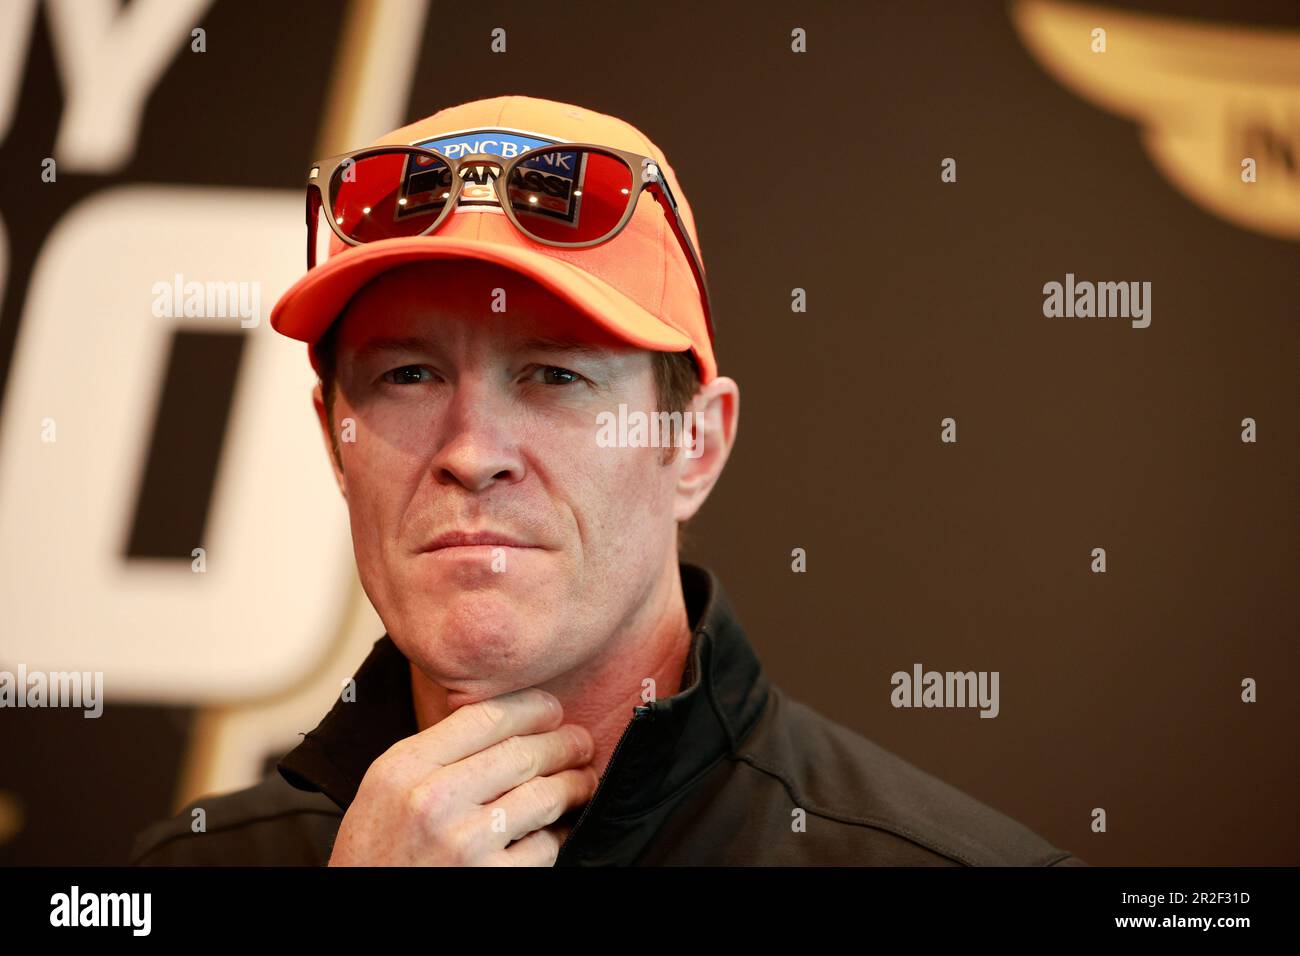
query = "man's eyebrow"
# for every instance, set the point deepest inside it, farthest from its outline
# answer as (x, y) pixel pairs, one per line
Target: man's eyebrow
(409, 344)
(562, 345)
(382, 344)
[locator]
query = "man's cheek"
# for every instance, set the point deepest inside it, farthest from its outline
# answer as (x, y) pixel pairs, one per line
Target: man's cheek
(367, 536)
(631, 493)
(374, 494)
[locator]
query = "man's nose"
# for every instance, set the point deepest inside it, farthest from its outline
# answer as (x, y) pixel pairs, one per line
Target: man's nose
(478, 441)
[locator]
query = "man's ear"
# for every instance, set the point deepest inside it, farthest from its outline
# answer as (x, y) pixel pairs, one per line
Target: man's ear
(331, 445)
(715, 415)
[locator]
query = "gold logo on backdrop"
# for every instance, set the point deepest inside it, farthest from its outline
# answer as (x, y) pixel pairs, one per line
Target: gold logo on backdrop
(1206, 96)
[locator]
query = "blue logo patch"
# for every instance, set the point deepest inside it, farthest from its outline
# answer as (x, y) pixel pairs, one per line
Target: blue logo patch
(499, 142)
(477, 191)
(550, 189)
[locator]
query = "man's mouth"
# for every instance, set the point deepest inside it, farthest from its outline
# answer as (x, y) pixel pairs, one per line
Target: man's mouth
(472, 539)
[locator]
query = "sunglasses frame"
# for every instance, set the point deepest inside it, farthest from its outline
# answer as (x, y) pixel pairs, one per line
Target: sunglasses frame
(644, 170)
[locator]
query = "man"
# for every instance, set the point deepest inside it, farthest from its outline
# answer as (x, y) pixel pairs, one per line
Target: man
(554, 687)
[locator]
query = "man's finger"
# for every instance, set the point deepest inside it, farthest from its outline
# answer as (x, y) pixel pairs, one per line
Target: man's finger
(483, 777)
(543, 800)
(477, 726)
(539, 848)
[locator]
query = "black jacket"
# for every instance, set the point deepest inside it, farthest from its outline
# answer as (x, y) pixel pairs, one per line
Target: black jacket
(714, 774)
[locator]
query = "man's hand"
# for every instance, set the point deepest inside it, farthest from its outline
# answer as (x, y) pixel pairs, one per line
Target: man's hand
(480, 787)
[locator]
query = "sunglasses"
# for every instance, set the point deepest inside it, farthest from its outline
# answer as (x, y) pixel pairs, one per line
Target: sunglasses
(573, 195)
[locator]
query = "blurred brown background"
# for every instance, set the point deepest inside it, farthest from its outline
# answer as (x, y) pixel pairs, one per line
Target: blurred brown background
(821, 171)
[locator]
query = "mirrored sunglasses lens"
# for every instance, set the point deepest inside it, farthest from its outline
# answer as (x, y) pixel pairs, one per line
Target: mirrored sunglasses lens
(570, 196)
(388, 195)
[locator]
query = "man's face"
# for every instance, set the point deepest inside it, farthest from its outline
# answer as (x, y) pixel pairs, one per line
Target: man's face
(469, 420)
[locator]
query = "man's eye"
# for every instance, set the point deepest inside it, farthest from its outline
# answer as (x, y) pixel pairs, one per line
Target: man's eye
(553, 375)
(407, 375)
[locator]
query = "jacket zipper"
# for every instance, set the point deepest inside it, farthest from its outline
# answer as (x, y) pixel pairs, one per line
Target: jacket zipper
(639, 712)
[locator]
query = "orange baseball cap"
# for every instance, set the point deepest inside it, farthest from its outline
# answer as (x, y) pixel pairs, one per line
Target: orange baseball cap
(638, 285)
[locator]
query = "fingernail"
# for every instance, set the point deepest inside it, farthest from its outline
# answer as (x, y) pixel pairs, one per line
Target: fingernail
(580, 740)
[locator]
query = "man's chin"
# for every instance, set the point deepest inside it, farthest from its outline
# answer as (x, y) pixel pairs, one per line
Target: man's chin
(481, 635)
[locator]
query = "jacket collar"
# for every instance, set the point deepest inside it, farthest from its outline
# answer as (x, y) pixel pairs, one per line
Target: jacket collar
(667, 745)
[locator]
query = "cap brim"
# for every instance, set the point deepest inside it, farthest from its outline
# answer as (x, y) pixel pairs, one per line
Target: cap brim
(312, 304)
